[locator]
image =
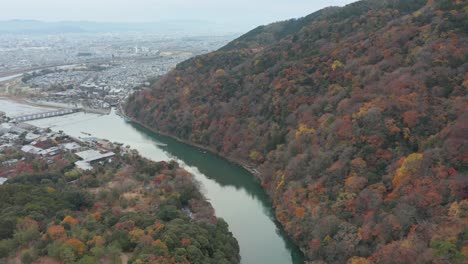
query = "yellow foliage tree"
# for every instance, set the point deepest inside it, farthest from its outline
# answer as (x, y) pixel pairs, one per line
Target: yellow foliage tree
(255, 155)
(220, 73)
(337, 65)
(358, 260)
(459, 209)
(281, 182)
(304, 130)
(410, 165)
(78, 247)
(69, 220)
(186, 91)
(135, 234)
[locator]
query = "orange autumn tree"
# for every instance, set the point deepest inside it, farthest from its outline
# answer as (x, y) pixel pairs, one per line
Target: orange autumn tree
(97, 215)
(56, 232)
(299, 212)
(78, 247)
(160, 247)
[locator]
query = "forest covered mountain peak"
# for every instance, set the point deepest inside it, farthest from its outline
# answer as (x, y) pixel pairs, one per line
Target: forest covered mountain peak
(268, 34)
(355, 117)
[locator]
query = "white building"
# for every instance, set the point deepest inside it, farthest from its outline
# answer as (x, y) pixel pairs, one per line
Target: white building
(31, 149)
(72, 146)
(89, 156)
(2, 180)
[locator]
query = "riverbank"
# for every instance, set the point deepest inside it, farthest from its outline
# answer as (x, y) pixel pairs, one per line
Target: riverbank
(248, 167)
(49, 106)
(234, 193)
(15, 106)
(29, 169)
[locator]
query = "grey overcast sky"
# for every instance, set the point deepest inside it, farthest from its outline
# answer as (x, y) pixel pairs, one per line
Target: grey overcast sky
(222, 11)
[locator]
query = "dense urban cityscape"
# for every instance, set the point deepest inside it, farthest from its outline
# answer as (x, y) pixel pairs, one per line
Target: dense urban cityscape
(91, 70)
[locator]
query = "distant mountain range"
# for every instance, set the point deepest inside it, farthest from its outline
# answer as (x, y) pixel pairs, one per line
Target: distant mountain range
(166, 27)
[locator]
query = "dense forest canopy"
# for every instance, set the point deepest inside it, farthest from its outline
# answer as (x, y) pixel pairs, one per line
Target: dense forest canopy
(130, 210)
(356, 119)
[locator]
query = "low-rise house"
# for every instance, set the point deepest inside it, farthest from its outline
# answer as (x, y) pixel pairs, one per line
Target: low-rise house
(10, 162)
(5, 146)
(17, 130)
(31, 149)
(71, 146)
(5, 128)
(9, 137)
(50, 151)
(31, 137)
(90, 156)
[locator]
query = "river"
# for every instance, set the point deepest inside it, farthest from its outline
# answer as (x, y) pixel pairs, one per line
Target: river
(233, 191)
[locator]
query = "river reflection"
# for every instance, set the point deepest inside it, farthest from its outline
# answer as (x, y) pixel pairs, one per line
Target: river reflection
(233, 191)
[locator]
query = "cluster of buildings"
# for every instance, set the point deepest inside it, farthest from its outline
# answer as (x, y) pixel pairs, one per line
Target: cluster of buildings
(46, 144)
(18, 51)
(94, 71)
(90, 71)
(100, 86)
(62, 79)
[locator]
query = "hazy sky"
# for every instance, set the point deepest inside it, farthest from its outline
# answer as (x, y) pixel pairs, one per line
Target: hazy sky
(248, 11)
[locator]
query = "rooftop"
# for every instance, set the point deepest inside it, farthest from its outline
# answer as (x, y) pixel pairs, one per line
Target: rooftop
(83, 165)
(71, 146)
(92, 155)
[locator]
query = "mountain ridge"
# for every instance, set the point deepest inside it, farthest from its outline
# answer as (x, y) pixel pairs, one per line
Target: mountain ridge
(24, 26)
(356, 120)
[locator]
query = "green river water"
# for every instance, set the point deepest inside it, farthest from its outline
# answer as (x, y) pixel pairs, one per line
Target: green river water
(233, 191)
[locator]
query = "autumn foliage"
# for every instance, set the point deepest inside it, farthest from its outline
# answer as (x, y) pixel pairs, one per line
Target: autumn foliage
(70, 221)
(355, 117)
(56, 232)
(78, 246)
(160, 216)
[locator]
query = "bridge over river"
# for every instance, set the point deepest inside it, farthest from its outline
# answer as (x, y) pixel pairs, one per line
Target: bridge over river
(42, 115)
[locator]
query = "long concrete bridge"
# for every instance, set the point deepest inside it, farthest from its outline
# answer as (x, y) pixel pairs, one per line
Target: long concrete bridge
(42, 115)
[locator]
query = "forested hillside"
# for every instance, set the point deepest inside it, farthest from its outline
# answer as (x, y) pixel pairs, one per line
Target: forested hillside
(356, 119)
(130, 210)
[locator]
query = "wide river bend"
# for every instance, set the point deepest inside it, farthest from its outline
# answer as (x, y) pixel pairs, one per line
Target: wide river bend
(233, 191)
